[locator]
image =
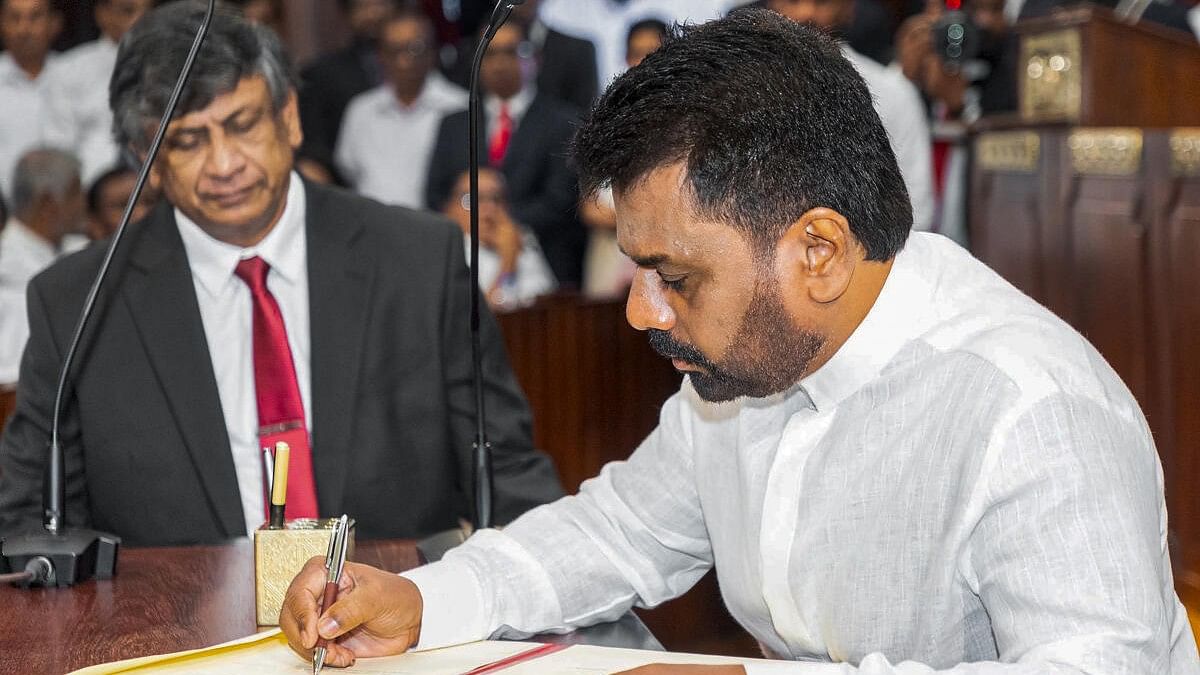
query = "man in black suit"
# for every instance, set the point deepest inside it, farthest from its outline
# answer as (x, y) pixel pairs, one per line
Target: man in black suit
(327, 85)
(566, 64)
(524, 135)
(165, 417)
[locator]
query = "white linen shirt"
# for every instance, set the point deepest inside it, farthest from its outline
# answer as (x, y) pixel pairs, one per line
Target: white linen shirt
(20, 125)
(966, 480)
(22, 255)
(903, 115)
(375, 120)
(227, 313)
(77, 117)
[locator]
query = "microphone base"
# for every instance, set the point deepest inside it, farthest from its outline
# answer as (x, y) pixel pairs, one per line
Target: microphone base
(75, 555)
(432, 548)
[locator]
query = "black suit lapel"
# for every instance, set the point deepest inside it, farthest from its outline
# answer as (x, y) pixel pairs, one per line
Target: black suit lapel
(340, 281)
(521, 148)
(161, 299)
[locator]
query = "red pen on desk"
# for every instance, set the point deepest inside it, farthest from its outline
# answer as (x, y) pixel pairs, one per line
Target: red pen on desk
(335, 560)
(519, 657)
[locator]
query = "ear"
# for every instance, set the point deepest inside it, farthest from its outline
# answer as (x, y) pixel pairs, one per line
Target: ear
(291, 121)
(816, 256)
(154, 179)
(56, 24)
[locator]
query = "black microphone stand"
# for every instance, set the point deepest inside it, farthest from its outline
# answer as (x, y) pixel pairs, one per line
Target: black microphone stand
(432, 548)
(62, 556)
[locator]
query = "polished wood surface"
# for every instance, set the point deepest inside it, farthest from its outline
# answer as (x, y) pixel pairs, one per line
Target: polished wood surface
(1117, 255)
(1142, 75)
(596, 387)
(162, 600)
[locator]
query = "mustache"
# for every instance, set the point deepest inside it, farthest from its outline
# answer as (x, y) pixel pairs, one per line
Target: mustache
(670, 348)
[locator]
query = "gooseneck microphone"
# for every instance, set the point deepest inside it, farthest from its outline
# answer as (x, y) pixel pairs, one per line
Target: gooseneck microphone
(483, 450)
(432, 548)
(63, 556)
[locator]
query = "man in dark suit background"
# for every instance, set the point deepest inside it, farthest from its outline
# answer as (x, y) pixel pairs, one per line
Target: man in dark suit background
(327, 85)
(566, 64)
(525, 135)
(165, 416)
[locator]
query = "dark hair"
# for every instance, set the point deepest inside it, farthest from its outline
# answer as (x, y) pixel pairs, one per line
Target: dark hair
(770, 120)
(655, 25)
(152, 55)
(97, 188)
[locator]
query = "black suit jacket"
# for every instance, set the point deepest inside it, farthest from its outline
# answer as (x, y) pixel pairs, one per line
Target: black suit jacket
(326, 88)
(147, 452)
(542, 188)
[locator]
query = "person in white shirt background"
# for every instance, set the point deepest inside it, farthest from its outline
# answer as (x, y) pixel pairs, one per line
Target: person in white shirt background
(895, 461)
(606, 23)
(47, 207)
(512, 270)
(896, 100)
(27, 29)
(77, 117)
(388, 132)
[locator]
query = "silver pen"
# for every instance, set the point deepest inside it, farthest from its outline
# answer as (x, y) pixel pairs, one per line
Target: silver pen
(335, 560)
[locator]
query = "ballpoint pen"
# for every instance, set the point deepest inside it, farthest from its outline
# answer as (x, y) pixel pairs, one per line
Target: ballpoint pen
(335, 560)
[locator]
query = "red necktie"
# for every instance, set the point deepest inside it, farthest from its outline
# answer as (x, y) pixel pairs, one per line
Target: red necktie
(280, 408)
(501, 137)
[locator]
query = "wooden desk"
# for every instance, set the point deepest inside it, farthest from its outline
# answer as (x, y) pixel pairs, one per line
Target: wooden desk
(171, 599)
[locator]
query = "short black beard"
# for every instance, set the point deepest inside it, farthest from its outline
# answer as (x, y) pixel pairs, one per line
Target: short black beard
(768, 355)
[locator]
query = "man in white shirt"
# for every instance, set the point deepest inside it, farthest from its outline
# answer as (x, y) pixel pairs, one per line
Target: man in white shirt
(47, 206)
(388, 132)
(606, 23)
(896, 100)
(77, 116)
(27, 29)
(896, 462)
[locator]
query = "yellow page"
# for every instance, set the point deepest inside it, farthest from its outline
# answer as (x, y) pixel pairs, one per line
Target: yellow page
(268, 653)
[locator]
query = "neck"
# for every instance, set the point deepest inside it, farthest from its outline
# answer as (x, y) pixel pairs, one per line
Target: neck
(40, 225)
(408, 93)
(857, 301)
(31, 66)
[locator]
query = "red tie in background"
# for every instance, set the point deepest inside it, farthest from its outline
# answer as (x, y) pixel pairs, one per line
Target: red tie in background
(280, 408)
(501, 137)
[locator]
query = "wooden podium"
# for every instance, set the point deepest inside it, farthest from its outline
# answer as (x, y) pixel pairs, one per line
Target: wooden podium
(1089, 201)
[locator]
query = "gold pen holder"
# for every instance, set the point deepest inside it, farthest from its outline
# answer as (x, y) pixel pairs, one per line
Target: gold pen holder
(279, 555)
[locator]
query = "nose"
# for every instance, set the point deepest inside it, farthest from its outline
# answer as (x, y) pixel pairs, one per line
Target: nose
(225, 159)
(647, 306)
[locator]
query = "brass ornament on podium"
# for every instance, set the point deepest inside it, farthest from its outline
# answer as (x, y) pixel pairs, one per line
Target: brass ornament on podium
(1009, 151)
(1051, 76)
(1185, 152)
(1106, 151)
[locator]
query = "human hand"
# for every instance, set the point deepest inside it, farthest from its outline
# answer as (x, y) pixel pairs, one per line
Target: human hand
(685, 669)
(377, 613)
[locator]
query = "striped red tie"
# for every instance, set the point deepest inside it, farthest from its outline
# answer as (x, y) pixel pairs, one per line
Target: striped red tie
(280, 407)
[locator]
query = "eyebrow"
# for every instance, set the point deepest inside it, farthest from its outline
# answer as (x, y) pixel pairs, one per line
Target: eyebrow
(646, 261)
(224, 121)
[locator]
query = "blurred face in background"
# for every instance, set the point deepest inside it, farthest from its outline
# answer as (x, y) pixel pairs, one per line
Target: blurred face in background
(407, 51)
(368, 17)
(491, 203)
(112, 193)
(641, 44)
(116, 17)
(827, 15)
(28, 28)
(501, 73)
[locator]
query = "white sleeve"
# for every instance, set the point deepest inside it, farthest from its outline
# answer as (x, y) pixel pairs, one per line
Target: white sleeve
(58, 127)
(634, 535)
